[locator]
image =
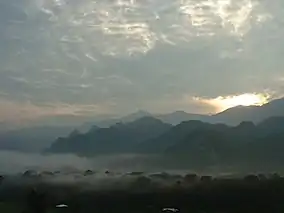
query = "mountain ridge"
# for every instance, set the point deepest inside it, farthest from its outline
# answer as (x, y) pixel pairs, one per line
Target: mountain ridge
(117, 138)
(192, 142)
(231, 117)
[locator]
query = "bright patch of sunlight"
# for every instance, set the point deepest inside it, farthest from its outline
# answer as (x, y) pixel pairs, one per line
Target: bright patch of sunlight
(225, 102)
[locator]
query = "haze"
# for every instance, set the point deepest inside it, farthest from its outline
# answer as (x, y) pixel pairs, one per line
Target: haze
(95, 58)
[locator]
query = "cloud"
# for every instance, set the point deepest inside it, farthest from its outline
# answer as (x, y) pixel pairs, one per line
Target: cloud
(132, 27)
(128, 27)
(279, 79)
(17, 112)
(128, 54)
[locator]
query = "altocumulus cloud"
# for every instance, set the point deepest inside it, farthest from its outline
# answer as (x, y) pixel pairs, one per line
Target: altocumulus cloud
(119, 55)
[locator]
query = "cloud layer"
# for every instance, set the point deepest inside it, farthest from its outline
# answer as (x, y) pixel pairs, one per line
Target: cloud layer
(121, 55)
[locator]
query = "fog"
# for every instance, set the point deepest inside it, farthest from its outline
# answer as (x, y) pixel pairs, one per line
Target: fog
(100, 172)
(105, 172)
(12, 162)
(17, 162)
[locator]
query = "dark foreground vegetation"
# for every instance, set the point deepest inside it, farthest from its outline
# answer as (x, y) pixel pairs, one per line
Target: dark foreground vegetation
(144, 193)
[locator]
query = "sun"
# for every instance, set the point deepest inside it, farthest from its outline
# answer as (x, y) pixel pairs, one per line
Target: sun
(222, 103)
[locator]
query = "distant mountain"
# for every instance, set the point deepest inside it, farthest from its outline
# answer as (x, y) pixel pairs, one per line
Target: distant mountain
(205, 146)
(246, 144)
(119, 138)
(173, 118)
(135, 116)
(256, 114)
(171, 137)
(104, 123)
(233, 116)
(265, 150)
(266, 118)
(180, 116)
(33, 139)
(204, 134)
(84, 128)
(269, 145)
(273, 123)
(190, 143)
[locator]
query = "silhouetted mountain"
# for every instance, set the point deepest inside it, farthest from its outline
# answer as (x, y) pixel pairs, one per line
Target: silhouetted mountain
(32, 139)
(205, 146)
(191, 143)
(84, 128)
(212, 143)
(269, 145)
(180, 116)
(135, 116)
(256, 114)
(171, 118)
(235, 115)
(232, 116)
(246, 144)
(119, 138)
(171, 137)
(273, 124)
(104, 123)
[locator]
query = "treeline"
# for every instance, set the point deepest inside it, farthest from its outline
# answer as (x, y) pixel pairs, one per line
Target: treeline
(253, 193)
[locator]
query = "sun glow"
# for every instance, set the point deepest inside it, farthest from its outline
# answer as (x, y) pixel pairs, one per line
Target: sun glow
(225, 102)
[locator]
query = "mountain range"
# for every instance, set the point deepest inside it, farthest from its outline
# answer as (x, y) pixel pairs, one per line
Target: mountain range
(232, 116)
(191, 142)
(218, 144)
(119, 138)
(41, 137)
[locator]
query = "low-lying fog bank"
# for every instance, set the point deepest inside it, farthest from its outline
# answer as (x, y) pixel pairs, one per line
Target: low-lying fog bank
(64, 177)
(15, 162)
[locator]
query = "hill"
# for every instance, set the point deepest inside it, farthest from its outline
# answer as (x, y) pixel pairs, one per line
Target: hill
(171, 137)
(246, 144)
(180, 116)
(188, 144)
(256, 114)
(118, 138)
(238, 128)
(232, 116)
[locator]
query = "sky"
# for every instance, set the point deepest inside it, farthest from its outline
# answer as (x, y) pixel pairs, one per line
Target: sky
(87, 57)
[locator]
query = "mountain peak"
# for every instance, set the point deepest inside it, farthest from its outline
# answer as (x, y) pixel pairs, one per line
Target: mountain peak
(140, 112)
(179, 116)
(136, 115)
(146, 121)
